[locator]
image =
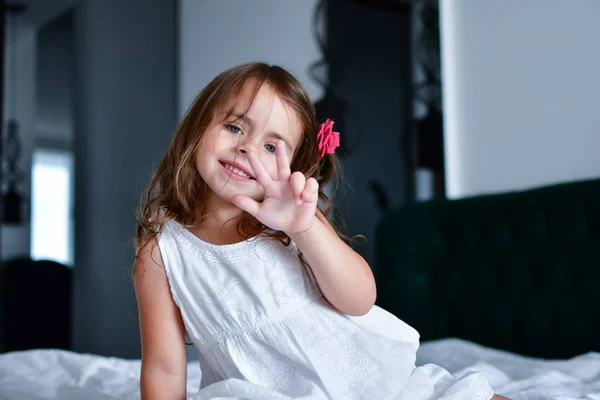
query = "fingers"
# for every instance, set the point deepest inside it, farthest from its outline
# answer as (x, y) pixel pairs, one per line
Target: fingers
(262, 175)
(283, 162)
(304, 190)
(246, 203)
(310, 194)
(297, 183)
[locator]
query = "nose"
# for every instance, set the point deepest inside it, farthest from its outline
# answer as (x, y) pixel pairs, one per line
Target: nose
(245, 145)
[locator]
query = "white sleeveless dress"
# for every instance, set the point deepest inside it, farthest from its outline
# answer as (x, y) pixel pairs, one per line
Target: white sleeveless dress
(265, 332)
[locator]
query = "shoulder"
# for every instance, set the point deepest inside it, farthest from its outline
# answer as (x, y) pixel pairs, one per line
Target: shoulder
(148, 260)
(151, 281)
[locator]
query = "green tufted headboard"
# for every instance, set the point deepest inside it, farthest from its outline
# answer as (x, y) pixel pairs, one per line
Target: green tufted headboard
(515, 271)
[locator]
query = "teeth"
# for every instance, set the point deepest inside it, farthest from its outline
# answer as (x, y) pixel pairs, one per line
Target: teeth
(237, 171)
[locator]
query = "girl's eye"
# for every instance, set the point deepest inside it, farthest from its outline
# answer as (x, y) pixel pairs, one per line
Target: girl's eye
(270, 148)
(234, 129)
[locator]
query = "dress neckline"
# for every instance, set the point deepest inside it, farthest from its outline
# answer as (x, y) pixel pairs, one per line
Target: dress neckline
(243, 247)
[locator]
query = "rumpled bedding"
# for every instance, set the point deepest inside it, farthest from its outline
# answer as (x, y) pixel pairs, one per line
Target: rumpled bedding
(58, 374)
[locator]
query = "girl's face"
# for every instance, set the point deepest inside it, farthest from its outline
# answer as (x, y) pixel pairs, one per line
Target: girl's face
(257, 124)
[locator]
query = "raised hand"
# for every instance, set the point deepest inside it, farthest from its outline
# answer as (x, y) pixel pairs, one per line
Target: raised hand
(290, 200)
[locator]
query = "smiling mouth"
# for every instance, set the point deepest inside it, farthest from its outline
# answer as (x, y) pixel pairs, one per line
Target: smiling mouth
(236, 171)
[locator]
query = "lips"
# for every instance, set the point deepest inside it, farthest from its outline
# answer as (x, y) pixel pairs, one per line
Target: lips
(237, 170)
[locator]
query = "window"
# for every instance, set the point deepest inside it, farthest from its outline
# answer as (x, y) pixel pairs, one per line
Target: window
(52, 205)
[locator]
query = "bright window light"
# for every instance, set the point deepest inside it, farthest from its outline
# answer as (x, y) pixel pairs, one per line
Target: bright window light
(52, 206)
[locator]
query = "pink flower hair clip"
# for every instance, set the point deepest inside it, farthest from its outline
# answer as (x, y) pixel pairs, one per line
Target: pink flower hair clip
(327, 138)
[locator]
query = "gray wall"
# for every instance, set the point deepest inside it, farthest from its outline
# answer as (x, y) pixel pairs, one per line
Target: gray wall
(125, 113)
(521, 94)
(218, 34)
(54, 84)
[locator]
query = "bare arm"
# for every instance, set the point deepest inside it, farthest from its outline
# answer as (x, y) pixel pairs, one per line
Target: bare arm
(343, 275)
(164, 364)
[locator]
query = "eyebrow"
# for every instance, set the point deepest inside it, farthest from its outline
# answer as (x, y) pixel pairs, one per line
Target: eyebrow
(244, 118)
(275, 135)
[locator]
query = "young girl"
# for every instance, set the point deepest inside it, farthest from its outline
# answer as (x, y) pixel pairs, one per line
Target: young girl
(234, 251)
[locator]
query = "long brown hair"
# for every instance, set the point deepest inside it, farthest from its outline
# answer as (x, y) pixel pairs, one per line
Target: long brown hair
(176, 190)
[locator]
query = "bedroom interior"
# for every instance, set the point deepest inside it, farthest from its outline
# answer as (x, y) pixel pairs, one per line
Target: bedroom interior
(484, 237)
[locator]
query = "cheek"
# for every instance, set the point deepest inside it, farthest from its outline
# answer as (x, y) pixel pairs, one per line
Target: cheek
(209, 145)
(204, 155)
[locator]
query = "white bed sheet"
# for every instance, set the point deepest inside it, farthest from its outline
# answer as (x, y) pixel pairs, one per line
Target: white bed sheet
(59, 374)
(518, 377)
(56, 374)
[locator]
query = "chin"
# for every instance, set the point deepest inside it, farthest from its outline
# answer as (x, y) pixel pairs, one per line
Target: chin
(229, 191)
